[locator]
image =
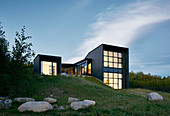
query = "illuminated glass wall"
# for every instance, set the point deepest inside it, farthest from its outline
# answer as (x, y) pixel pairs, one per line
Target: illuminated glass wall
(112, 69)
(83, 68)
(48, 68)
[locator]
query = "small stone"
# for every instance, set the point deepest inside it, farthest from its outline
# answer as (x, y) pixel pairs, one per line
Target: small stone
(7, 103)
(51, 95)
(23, 99)
(154, 96)
(3, 97)
(50, 100)
(1, 104)
(71, 99)
(60, 108)
(55, 106)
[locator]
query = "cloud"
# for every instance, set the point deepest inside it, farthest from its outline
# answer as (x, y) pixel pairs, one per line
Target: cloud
(119, 24)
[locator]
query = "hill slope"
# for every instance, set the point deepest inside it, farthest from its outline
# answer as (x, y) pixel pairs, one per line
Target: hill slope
(108, 100)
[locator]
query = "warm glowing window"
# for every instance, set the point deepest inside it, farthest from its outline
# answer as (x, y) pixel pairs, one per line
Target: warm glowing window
(110, 75)
(111, 84)
(115, 75)
(54, 68)
(110, 59)
(120, 84)
(115, 65)
(110, 80)
(120, 60)
(48, 68)
(82, 70)
(119, 65)
(105, 80)
(105, 58)
(120, 75)
(111, 64)
(105, 64)
(115, 54)
(115, 86)
(120, 55)
(110, 53)
(85, 69)
(89, 68)
(106, 53)
(115, 59)
(105, 74)
(115, 80)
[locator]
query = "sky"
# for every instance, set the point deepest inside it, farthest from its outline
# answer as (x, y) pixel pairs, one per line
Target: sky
(72, 28)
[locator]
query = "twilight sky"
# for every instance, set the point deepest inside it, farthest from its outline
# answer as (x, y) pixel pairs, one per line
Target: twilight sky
(72, 28)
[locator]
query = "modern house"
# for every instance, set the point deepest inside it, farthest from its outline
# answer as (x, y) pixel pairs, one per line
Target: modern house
(108, 63)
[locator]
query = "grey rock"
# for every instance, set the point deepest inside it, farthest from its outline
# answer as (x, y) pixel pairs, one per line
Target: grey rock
(39, 106)
(50, 100)
(60, 108)
(1, 104)
(71, 99)
(91, 102)
(154, 96)
(23, 99)
(3, 97)
(7, 103)
(81, 105)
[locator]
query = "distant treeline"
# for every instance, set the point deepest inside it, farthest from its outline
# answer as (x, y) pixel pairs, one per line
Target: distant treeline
(148, 81)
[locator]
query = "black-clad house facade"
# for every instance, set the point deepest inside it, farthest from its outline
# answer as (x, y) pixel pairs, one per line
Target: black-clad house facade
(108, 63)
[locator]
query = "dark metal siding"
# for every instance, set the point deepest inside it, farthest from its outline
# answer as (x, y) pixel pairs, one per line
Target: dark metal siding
(39, 58)
(36, 65)
(97, 62)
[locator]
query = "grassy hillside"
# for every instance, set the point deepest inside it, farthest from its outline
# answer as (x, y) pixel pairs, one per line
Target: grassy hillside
(108, 100)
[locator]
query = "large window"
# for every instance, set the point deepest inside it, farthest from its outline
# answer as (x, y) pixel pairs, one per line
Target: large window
(112, 59)
(113, 69)
(84, 68)
(48, 68)
(113, 79)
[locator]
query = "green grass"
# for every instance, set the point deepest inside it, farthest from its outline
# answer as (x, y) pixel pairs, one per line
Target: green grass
(108, 101)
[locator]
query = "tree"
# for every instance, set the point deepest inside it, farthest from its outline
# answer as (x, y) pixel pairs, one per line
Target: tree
(4, 64)
(21, 57)
(4, 53)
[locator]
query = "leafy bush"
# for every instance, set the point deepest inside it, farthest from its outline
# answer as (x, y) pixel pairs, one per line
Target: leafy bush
(148, 81)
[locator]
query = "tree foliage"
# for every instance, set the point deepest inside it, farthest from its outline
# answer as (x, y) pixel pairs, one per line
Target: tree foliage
(20, 60)
(4, 53)
(15, 68)
(148, 81)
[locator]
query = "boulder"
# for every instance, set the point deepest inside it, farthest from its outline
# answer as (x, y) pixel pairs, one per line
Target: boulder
(38, 106)
(23, 99)
(71, 99)
(1, 104)
(50, 100)
(154, 96)
(82, 104)
(91, 102)
(7, 103)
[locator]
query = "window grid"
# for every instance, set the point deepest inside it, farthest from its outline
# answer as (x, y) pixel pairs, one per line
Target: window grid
(113, 60)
